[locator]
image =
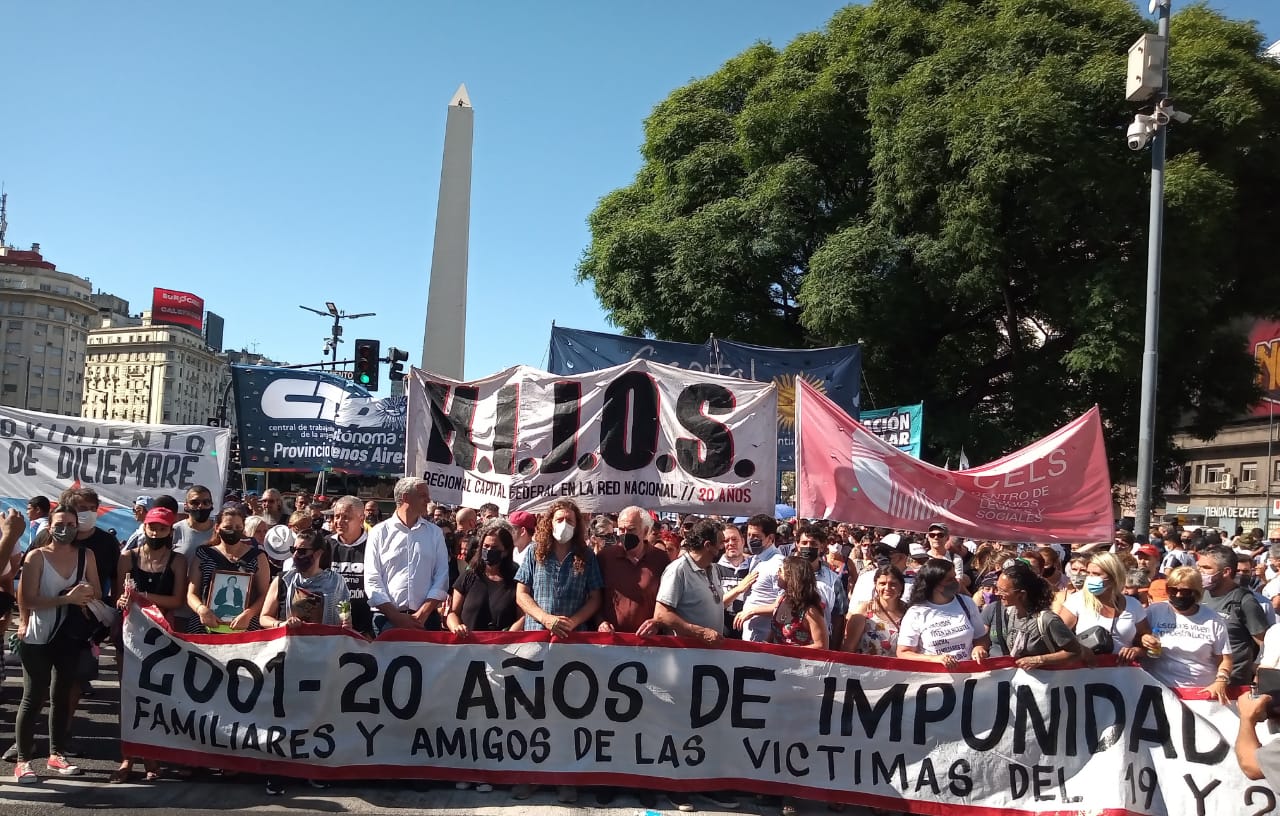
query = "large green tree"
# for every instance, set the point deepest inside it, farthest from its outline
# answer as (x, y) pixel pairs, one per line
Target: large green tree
(947, 182)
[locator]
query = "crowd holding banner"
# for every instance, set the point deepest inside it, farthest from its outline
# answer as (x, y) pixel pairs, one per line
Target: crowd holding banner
(667, 714)
(465, 644)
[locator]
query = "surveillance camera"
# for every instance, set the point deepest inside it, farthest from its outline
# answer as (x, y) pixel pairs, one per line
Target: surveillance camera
(1179, 117)
(1139, 133)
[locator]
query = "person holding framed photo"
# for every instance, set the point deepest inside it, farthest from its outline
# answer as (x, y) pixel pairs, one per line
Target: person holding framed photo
(310, 592)
(227, 579)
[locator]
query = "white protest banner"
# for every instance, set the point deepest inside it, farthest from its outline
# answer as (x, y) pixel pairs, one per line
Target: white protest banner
(47, 453)
(641, 433)
(667, 714)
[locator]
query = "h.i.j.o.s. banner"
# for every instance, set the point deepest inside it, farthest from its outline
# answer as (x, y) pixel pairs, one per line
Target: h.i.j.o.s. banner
(640, 433)
(673, 715)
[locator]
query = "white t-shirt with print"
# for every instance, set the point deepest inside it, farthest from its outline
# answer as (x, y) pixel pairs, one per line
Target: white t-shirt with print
(1190, 646)
(942, 628)
(1126, 625)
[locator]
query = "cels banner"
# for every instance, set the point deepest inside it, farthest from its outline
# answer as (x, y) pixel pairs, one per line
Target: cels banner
(1057, 489)
(666, 714)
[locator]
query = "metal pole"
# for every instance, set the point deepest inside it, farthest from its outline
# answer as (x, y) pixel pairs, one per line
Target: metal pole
(1271, 435)
(1151, 338)
(26, 394)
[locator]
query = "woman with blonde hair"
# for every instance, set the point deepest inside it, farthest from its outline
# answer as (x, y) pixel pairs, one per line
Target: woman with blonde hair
(1187, 646)
(1103, 604)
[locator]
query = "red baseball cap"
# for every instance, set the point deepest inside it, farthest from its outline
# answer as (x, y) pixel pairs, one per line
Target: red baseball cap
(160, 515)
(1148, 550)
(525, 519)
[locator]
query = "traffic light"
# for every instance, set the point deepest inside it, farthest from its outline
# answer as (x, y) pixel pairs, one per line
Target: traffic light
(396, 356)
(366, 367)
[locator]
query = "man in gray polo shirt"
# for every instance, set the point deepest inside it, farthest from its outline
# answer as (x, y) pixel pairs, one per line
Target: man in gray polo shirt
(690, 598)
(691, 602)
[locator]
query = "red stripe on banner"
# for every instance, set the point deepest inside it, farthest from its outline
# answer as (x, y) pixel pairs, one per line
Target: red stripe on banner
(621, 639)
(356, 773)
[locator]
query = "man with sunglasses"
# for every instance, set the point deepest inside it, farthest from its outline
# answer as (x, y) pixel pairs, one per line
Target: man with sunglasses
(273, 507)
(939, 536)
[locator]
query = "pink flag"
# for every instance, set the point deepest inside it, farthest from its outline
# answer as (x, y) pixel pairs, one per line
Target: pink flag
(1057, 489)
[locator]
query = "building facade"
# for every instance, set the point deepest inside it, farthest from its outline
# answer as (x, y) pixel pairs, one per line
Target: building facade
(1231, 480)
(45, 318)
(156, 375)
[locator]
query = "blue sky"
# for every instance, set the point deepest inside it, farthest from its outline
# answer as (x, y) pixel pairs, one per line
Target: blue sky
(267, 155)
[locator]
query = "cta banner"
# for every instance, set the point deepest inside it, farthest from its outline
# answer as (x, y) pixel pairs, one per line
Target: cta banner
(640, 433)
(310, 421)
(836, 371)
(1056, 490)
(902, 427)
(176, 308)
(667, 714)
(44, 454)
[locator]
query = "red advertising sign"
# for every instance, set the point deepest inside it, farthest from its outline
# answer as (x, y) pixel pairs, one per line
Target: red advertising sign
(1057, 489)
(1264, 344)
(177, 309)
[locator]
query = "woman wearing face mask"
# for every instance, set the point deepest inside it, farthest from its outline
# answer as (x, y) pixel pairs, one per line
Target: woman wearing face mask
(309, 579)
(229, 552)
(559, 588)
(484, 598)
(1076, 570)
(153, 574)
(57, 581)
(1052, 568)
(940, 624)
(873, 626)
(1103, 603)
(1187, 646)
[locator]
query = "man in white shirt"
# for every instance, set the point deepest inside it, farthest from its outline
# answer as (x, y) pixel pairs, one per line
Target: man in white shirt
(765, 562)
(406, 563)
(522, 525)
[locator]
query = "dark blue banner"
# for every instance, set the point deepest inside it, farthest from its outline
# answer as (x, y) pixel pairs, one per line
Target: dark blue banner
(290, 419)
(835, 371)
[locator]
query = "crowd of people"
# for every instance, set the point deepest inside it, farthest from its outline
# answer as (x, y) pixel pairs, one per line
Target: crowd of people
(1196, 608)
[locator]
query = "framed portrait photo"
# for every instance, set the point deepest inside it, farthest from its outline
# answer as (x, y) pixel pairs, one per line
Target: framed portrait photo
(228, 594)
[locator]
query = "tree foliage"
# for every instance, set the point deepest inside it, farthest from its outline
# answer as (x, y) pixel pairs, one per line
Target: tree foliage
(947, 182)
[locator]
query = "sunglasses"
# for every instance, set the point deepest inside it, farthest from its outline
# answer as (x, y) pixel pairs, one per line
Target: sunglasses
(299, 550)
(1180, 591)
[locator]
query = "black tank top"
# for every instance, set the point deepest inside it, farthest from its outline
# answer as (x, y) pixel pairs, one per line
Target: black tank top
(152, 583)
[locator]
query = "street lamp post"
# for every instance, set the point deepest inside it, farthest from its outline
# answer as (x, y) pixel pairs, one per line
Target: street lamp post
(1151, 335)
(331, 310)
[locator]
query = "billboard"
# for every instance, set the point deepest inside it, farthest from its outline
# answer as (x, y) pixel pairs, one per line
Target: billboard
(1264, 344)
(174, 308)
(213, 328)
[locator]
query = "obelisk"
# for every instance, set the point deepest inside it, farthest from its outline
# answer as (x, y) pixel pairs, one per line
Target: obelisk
(445, 335)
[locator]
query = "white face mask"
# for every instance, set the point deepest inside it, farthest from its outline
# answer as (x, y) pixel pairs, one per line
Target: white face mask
(562, 530)
(87, 519)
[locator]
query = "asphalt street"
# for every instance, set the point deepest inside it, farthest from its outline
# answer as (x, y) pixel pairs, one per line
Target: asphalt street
(96, 732)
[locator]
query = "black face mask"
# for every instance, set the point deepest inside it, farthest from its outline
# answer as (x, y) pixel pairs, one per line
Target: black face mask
(1182, 602)
(630, 541)
(1048, 571)
(317, 523)
(755, 546)
(230, 536)
(159, 543)
(199, 514)
(492, 556)
(808, 553)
